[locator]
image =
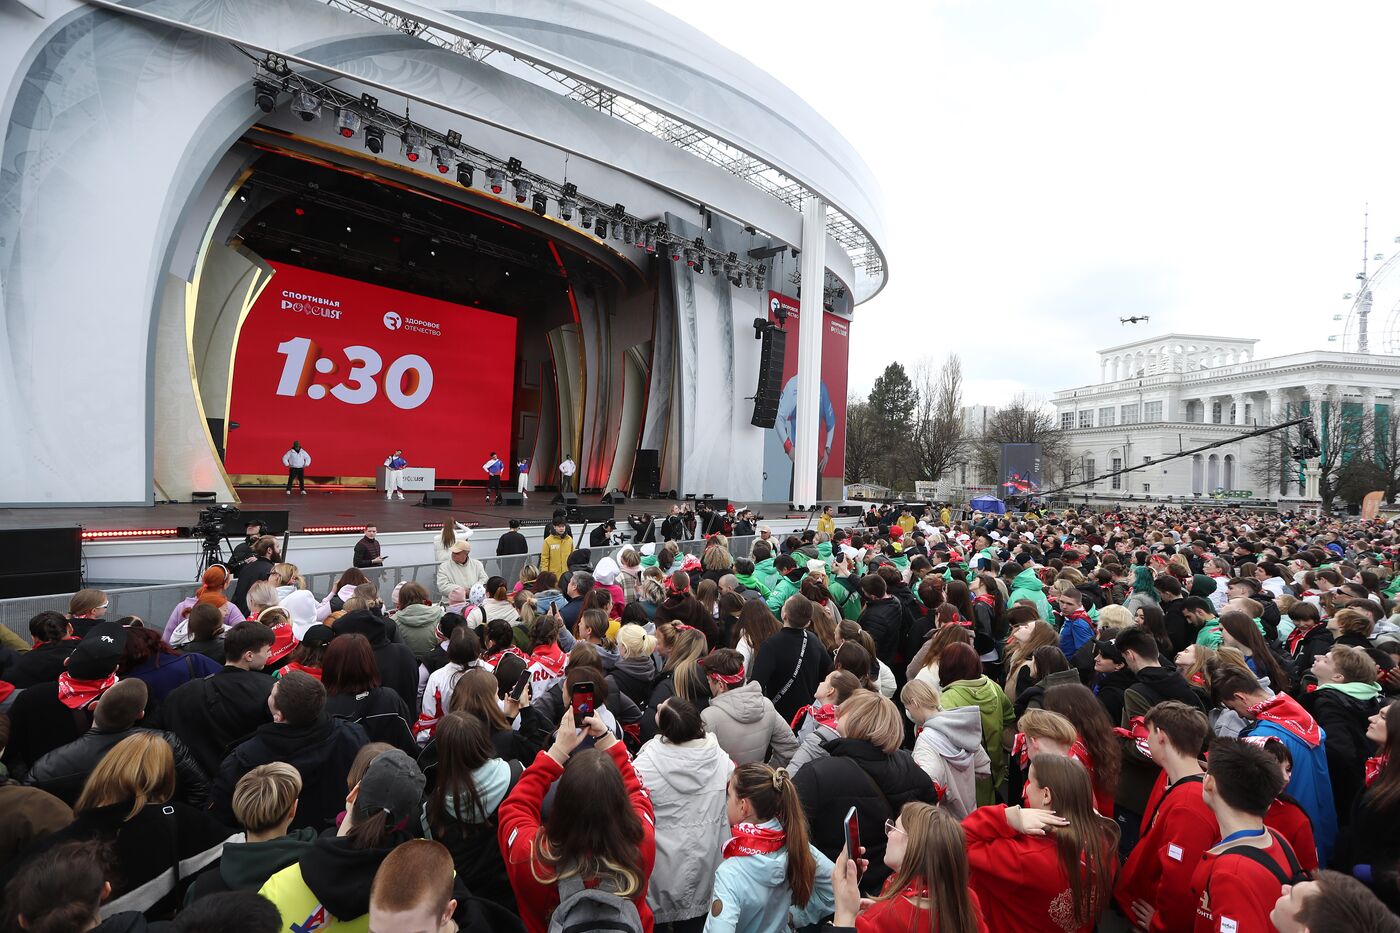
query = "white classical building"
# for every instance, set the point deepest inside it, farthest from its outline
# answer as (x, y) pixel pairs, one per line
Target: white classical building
(1174, 392)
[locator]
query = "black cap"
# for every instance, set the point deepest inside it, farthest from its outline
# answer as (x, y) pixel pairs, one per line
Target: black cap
(96, 657)
(319, 635)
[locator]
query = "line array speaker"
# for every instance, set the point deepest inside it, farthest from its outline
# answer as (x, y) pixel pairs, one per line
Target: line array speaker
(770, 378)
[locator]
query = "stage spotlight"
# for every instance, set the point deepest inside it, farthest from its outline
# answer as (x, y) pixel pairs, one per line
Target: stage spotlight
(540, 203)
(464, 174)
(497, 179)
(522, 189)
(265, 95)
(649, 239)
(349, 123)
(691, 256)
(443, 156)
(374, 139)
(676, 250)
(566, 208)
(616, 230)
(700, 266)
(627, 234)
(306, 106)
(412, 145)
(585, 217)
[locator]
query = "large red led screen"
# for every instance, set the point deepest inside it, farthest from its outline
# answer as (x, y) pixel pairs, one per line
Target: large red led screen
(353, 371)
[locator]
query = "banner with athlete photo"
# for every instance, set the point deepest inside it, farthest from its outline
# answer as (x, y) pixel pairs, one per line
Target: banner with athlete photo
(831, 406)
(354, 370)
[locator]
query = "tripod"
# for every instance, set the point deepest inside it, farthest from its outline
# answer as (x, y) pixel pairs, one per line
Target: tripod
(211, 552)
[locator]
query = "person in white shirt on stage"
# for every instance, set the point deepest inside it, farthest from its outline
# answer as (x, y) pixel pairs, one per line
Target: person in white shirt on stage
(296, 461)
(566, 474)
(494, 468)
(522, 477)
(393, 476)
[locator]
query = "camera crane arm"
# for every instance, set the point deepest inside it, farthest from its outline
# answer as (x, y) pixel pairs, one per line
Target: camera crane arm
(1309, 448)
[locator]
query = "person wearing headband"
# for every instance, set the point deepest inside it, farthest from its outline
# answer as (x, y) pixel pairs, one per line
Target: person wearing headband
(740, 716)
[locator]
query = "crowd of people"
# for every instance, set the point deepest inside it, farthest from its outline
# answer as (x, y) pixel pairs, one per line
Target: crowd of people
(1150, 719)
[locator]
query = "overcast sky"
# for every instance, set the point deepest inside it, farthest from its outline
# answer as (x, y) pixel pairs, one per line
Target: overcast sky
(1051, 165)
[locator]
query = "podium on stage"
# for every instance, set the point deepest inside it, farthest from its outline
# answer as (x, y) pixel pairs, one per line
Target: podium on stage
(415, 479)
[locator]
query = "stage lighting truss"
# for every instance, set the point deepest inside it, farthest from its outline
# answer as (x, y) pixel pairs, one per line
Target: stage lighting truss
(363, 113)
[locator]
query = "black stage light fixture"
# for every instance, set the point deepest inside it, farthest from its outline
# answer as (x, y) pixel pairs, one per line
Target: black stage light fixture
(374, 139)
(585, 217)
(464, 174)
(306, 106)
(540, 203)
(567, 201)
(677, 252)
(497, 180)
(265, 95)
(454, 139)
(627, 236)
(443, 157)
(348, 123)
(649, 239)
(700, 266)
(514, 165)
(522, 189)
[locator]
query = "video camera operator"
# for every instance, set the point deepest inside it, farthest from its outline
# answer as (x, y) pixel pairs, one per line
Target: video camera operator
(243, 553)
(673, 528)
(605, 535)
(644, 528)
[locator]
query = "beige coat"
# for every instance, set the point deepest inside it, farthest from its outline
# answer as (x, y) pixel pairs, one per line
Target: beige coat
(747, 726)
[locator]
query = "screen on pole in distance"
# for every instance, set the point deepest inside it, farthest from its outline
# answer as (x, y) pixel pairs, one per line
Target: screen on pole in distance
(354, 371)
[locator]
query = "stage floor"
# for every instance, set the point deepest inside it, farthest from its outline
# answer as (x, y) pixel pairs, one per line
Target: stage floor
(343, 507)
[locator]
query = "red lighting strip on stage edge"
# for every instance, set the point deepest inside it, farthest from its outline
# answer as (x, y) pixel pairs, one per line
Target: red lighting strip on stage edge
(114, 533)
(333, 529)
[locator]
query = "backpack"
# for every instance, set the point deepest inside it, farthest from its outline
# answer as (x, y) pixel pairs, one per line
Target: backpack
(584, 910)
(1295, 875)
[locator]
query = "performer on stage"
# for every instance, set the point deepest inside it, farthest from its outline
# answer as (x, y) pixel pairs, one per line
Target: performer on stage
(522, 477)
(493, 467)
(296, 461)
(566, 474)
(393, 477)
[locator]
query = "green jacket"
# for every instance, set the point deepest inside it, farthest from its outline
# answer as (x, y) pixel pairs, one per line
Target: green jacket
(752, 581)
(847, 602)
(997, 716)
(781, 591)
(1027, 586)
(765, 572)
(417, 625)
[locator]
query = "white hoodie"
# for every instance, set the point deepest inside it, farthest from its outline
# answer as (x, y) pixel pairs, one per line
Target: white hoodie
(949, 748)
(323, 610)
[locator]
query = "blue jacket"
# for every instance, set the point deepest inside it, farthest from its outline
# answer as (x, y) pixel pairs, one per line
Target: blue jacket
(1075, 633)
(1311, 785)
(755, 897)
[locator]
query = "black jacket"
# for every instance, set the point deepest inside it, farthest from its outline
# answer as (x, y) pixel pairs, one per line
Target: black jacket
(39, 723)
(662, 690)
(215, 713)
(1110, 689)
(1343, 721)
(882, 618)
(673, 528)
(857, 774)
(1315, 641)
(322, 752)
(366, 550)
(383, 714)
(512, 542)
(1178, 629)
(633, 678)
(255, 572)
(63, 771)
(790, 666)
(1370, 840)
(340, 877)
(398, 668)
(1155, 684)
(42, 664)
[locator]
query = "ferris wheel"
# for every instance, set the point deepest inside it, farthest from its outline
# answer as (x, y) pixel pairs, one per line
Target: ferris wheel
(1373, 322)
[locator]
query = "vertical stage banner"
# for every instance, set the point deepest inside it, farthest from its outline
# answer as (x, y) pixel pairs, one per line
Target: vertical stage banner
(831, 411)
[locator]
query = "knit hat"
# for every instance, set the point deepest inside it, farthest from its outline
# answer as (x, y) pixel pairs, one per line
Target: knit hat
(816, 566)
(392, 784)
(99, 652)
(606, 571)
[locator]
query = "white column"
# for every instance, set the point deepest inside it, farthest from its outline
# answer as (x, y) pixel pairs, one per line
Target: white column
(1316, 395)
(1240, 401)
(811, 320)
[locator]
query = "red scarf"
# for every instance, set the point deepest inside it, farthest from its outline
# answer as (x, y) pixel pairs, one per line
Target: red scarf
(985, 599)
(825, 715)
(294, 666)
(1295, 637)
(6, 689)
(1374, 766)
(1284, 712)
(77, 694)
(492, 660)
(754, 840)
(550, 657)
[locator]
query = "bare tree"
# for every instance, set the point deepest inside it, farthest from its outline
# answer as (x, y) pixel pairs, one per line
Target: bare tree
(862, 446)
(1025, 420)
(938, 426)
(1272, 467)
(1344, 436)
(1387, 453)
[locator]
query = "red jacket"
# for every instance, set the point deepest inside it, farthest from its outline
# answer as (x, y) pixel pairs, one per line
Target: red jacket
(1160, 867)
(1235, 895)
(899, 915)
(519, 817)
(1290, 821)
(1003, 860)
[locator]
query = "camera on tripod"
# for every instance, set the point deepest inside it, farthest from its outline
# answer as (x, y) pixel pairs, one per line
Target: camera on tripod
(218, 521)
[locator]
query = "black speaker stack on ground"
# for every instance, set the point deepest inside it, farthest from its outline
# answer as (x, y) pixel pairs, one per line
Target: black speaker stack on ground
(646, 474)
(594, 514)
(770, 377)
(437, 498)
(565, 499)
(615, 497)
(41, 561)
(512, 498)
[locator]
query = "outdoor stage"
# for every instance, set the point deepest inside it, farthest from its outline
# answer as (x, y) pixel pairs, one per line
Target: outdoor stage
(351, 507)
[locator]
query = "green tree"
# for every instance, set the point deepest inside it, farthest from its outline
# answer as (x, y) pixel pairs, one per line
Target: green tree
(892, 402)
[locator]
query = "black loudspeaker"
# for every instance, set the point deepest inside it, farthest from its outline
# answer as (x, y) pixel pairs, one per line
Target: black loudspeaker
(564, 499)
(512, 498)
(646, 474)
(616, 497)
(590, 513)
(438, 497)
(40, 561)
(647, 459)
(770, 378)
(849, 510)
(719, 505)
